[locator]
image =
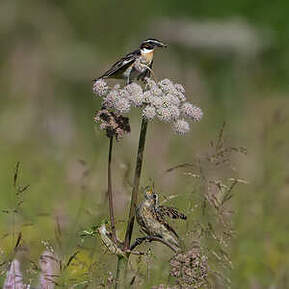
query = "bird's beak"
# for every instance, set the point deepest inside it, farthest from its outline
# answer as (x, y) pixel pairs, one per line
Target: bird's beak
(161, 44)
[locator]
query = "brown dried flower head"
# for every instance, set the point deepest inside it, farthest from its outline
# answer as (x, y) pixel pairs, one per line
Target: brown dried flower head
(190, 268)
(115, 125)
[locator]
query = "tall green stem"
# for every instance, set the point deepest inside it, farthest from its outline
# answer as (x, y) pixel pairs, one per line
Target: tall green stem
(137, 175)
(121, 270)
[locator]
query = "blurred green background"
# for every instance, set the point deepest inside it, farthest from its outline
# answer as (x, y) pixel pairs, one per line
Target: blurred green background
(233, 59)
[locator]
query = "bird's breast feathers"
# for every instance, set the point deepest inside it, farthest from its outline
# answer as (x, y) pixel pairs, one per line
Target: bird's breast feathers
(147, 56)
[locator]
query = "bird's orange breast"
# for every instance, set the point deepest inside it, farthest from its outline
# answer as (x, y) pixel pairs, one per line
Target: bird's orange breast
(148, 57)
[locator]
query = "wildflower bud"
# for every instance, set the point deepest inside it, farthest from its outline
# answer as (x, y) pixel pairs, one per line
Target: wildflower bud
(166, 85)
(192, 111)
(135, 94)
(150, 83)
(149, 112)
(122, 105)
(110, 99)
(179, 88)
(172, 99)
(181, 127)
(153, 100)
(164, 114)
(100, 87)
(164, 100)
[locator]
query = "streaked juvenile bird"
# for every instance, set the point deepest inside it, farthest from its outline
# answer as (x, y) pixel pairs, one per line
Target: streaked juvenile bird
(136, 64)
(151, 218)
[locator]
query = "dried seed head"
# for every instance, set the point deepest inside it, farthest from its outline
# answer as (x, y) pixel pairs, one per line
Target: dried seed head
(113, 124)
(190, 268)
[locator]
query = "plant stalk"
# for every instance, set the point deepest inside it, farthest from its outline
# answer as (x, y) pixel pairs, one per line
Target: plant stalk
(121, 272)
(137, 175)
(109, 191)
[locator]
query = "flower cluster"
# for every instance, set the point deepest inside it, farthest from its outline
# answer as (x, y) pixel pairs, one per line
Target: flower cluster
(49, 270)
(190, 269)
(114, 124)
(161, 100)
(14, 279)
(49, 266)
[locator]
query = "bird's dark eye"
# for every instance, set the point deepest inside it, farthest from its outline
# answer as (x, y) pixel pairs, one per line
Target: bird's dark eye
(154, 196)
(148, 46)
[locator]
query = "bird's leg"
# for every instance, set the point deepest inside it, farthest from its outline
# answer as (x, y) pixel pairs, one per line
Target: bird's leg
(137, 242)
(148, 238)
(151, 71)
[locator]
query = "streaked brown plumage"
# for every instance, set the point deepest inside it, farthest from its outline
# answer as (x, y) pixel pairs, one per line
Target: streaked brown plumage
(151, 218)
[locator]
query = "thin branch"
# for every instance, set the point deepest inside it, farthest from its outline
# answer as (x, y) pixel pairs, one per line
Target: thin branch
(135, 189)
(109, 190)
(73, 256)
(150, 239)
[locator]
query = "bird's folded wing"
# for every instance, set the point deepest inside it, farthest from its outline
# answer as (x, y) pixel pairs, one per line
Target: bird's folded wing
(161, 220)
(120, 65)
(171, 212)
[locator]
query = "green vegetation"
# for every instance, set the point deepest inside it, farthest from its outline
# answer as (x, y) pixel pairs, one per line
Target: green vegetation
(50, 52)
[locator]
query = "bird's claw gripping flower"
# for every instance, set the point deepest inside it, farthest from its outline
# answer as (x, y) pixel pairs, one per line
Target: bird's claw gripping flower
(163, 100)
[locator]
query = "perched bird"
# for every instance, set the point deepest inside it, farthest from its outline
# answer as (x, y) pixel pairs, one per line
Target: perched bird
(151, 218)
(135, 65)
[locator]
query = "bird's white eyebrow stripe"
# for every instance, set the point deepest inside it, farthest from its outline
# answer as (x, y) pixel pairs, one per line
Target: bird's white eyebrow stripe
(145, 50)
(151, 41)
